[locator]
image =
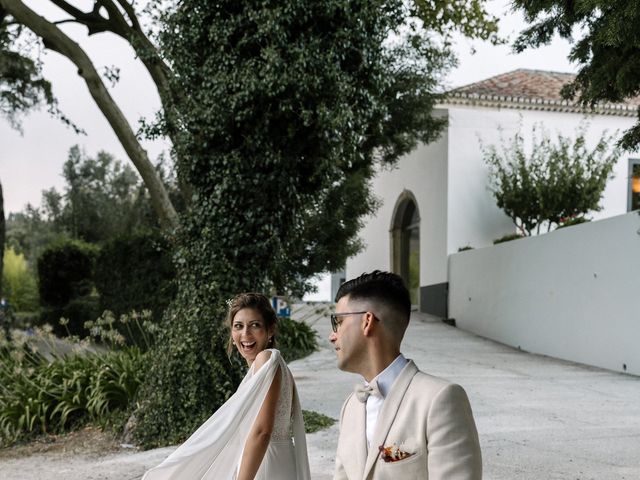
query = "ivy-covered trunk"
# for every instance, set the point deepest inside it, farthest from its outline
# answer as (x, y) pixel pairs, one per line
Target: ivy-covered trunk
(286, 107)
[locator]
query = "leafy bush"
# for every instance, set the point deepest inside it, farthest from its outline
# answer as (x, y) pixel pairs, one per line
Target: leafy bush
(137, 326)
(191, 375)
(45, 391)
(295, 339)
(508, 238)
(18, 282)
(465, 248)
(557, 180)
(78, 311)
(135, 273)
(65, 271)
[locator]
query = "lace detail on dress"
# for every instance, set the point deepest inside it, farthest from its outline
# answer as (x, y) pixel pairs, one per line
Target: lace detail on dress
(282, 424)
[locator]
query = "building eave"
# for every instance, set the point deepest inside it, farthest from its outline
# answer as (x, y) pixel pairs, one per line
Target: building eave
(523, 103)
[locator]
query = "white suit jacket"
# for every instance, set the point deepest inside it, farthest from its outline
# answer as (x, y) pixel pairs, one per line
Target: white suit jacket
(426, 416)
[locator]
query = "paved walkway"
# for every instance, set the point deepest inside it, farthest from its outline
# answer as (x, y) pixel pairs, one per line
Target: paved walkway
(538, 418)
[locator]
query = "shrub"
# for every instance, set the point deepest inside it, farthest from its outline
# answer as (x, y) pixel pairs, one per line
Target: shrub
(65, 273)
(508, 238)
(557, 179)
(45, 391)
(191, 375)
(135, 273)
(75, 313)
(18, 282)
(465, 248)
(295, 339)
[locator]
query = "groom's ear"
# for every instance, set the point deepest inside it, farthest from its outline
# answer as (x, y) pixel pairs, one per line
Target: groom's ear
(368, 322)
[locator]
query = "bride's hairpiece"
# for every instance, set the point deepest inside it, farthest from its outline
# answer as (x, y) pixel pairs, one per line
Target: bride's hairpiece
(229, 302)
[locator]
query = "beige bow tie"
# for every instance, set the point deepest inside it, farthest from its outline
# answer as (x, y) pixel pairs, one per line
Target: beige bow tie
(363, 391)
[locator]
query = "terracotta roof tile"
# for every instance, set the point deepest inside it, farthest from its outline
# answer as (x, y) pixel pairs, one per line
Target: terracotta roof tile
(530, 87)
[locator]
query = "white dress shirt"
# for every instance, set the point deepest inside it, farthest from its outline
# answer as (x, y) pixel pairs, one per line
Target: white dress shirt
(374, 403)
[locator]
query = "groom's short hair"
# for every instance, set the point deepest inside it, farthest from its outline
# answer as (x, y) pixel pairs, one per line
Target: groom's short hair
(384, 288)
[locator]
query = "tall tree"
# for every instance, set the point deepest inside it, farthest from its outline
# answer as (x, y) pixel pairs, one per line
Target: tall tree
(607, 48)
(102, 198)
(121, 19)
(286, 108)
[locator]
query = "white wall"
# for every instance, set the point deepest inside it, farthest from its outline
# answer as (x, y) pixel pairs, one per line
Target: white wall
(423, 172)
(474, 218)
(570, 294)
(449, 181)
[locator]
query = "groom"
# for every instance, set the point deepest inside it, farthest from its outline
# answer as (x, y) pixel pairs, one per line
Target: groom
(402, 423)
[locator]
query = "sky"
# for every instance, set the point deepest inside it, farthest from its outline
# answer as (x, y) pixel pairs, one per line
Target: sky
(32, 161)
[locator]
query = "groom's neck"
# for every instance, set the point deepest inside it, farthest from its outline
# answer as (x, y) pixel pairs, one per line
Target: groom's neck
(378, 360)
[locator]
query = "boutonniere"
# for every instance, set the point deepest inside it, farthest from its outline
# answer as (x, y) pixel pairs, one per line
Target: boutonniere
(392, 453)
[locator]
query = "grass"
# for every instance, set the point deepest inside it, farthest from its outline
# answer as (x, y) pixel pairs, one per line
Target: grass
(315, 421)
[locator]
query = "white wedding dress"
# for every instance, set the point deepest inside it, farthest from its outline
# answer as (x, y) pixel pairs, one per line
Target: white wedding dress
(214, 451)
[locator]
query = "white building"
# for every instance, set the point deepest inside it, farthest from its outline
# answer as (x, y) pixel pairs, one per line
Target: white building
(437, 199)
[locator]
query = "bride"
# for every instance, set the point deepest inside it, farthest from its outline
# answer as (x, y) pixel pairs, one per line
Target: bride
(259, 432)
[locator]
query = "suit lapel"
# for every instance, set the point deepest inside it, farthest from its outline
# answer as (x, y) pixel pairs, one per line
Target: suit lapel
(388, 413)
(359, 432)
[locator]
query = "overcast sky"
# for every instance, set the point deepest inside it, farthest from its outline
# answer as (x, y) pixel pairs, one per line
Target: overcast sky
(32, 161)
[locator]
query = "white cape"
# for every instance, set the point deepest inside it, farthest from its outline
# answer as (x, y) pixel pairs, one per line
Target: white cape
(213, 452)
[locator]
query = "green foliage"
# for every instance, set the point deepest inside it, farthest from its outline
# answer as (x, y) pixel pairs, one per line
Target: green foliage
(465, 248)
(135, 273)
(69, 319)
(315, 421)
(556, 181)
(284, 110)
(103, 198)
(65, 279)
(45, 391)
(190, 377)
(22, 87)
(65, 271)
(605, 50)
(508, 238)
(466, 16)
(573, 221)
(295, 339)
(29, 232)
(291, 102)
(138, 327)
(19, 283)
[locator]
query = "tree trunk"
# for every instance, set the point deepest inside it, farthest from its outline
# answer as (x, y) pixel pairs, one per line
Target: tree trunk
(58, 41)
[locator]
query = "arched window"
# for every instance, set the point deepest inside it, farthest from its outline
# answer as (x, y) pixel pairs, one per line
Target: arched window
(405, 244)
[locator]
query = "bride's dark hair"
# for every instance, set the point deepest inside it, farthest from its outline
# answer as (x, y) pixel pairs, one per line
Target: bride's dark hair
(255, 301)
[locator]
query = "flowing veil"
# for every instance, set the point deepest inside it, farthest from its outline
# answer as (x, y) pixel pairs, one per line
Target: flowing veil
(214, 451)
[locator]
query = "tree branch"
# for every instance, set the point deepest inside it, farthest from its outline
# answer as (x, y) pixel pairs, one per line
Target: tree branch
(94, 22)
(58, 41)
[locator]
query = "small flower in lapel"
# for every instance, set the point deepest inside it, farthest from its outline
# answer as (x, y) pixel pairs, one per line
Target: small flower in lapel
(392, 453)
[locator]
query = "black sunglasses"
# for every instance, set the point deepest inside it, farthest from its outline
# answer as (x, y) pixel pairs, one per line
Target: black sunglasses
(334, 318)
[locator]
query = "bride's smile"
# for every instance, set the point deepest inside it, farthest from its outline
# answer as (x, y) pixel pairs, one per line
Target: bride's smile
(249, 333)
